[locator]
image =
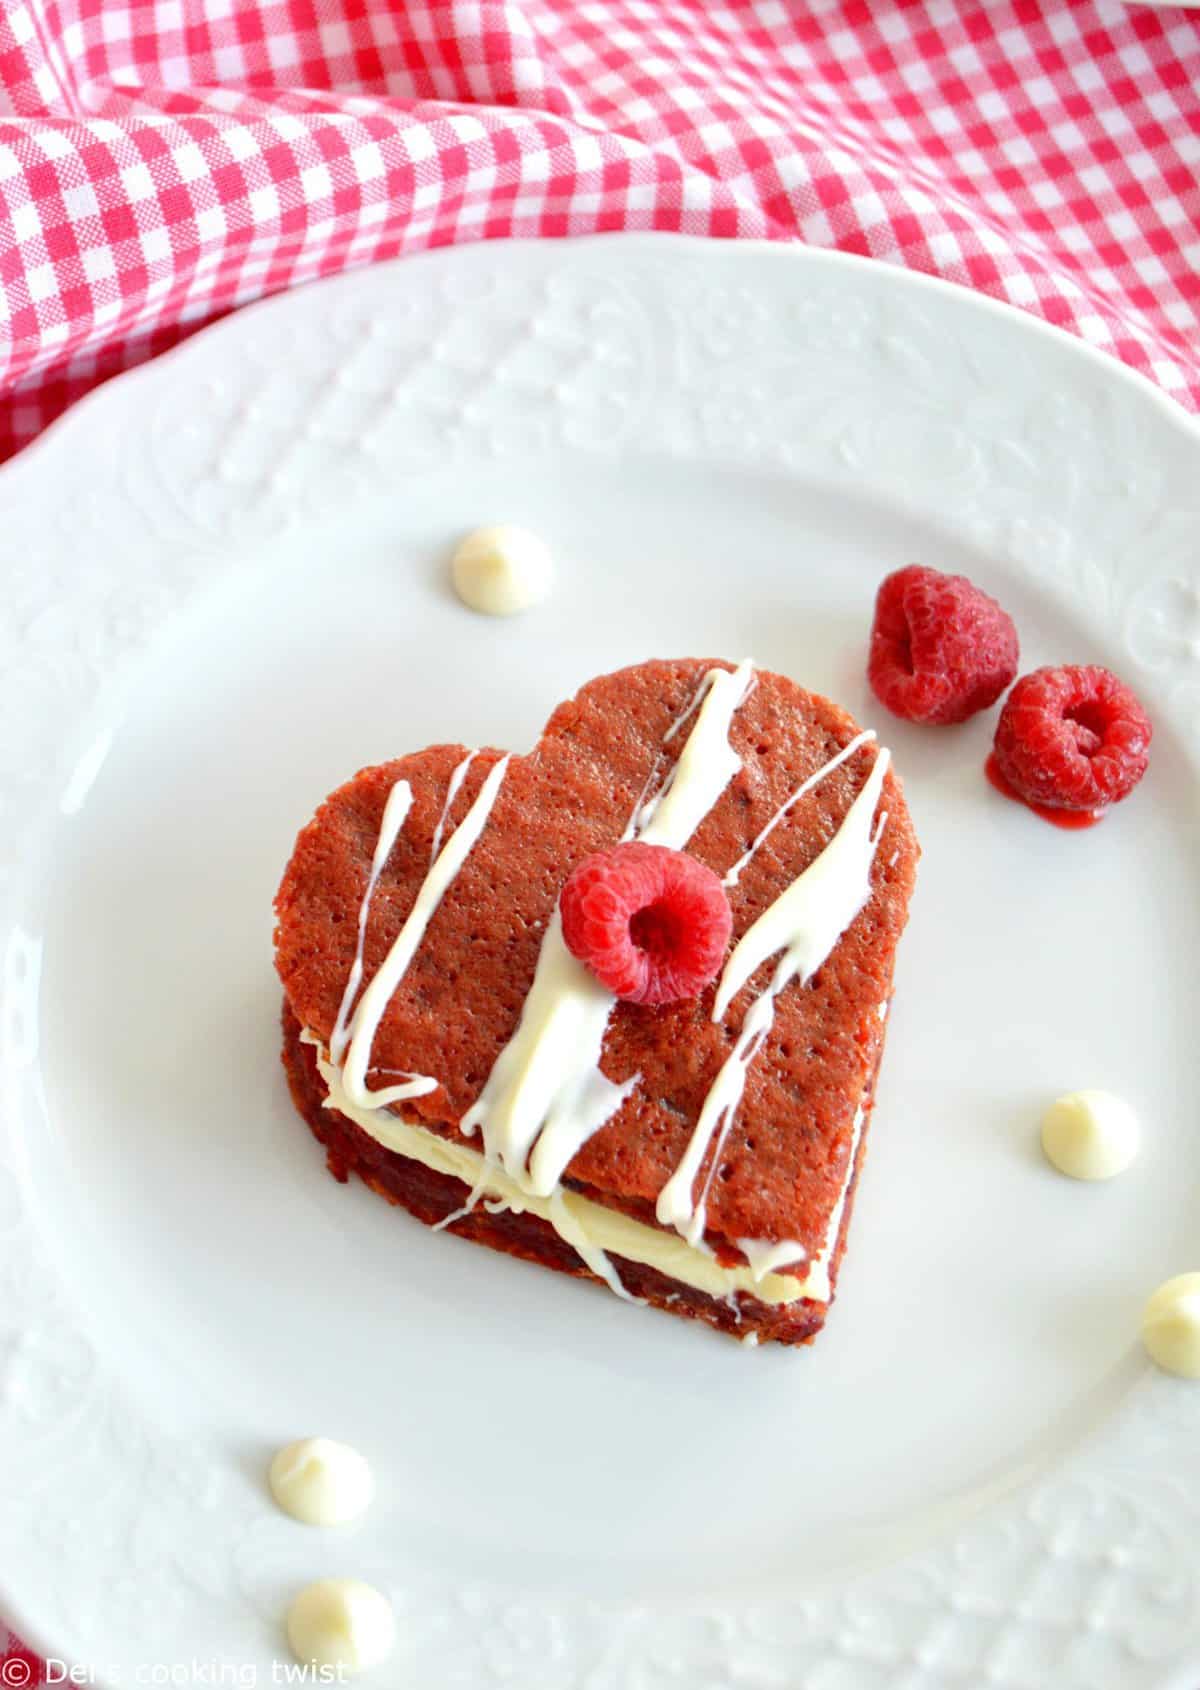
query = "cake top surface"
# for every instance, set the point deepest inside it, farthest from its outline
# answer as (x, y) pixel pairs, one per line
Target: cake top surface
(784, 1161)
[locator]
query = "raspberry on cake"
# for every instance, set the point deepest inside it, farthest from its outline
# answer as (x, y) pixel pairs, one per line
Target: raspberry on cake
(692, 1138)
(941, 649)
(652, 924)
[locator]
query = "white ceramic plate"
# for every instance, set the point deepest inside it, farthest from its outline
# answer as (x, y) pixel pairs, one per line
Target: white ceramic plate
(224, 591)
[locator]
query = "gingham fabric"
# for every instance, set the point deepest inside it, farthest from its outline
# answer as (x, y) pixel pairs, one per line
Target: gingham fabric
(164, 160)
(18, 1667)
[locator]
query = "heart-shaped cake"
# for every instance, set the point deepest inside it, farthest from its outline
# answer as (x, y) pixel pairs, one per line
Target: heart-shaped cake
(443, 1042)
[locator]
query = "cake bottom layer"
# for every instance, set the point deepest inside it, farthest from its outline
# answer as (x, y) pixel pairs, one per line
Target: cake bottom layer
(432, 1196)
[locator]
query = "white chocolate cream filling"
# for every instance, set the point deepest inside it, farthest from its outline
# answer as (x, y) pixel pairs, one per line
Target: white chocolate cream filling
(589, 1227)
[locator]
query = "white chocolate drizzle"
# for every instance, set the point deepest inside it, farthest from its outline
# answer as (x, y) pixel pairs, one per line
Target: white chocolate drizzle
(546, 1094)
(765, 1257)
(706, 764)
(819, 1276)
(805, 922)
(734, 874)
(378, 994)
(395, 814)
(476, 1192)
(452, 791)
(644, 807)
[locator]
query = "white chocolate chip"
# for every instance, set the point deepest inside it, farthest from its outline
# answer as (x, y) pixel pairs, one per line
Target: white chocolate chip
(1171, 1326)
(342, 1624)
(321, 1482)
(502, 569)
(1090, 1135)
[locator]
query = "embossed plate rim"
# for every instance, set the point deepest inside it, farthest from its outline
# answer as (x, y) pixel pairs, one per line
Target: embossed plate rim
(141, 397)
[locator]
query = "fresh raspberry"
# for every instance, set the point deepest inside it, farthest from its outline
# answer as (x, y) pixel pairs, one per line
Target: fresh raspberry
(940, 648)
(652, 924)
(1072, 739)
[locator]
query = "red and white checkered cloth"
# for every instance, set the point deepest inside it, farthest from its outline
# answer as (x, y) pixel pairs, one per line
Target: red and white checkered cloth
(163, 160)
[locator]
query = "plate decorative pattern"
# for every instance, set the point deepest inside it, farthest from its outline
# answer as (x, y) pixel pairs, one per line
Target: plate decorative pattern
(1090, 1581)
